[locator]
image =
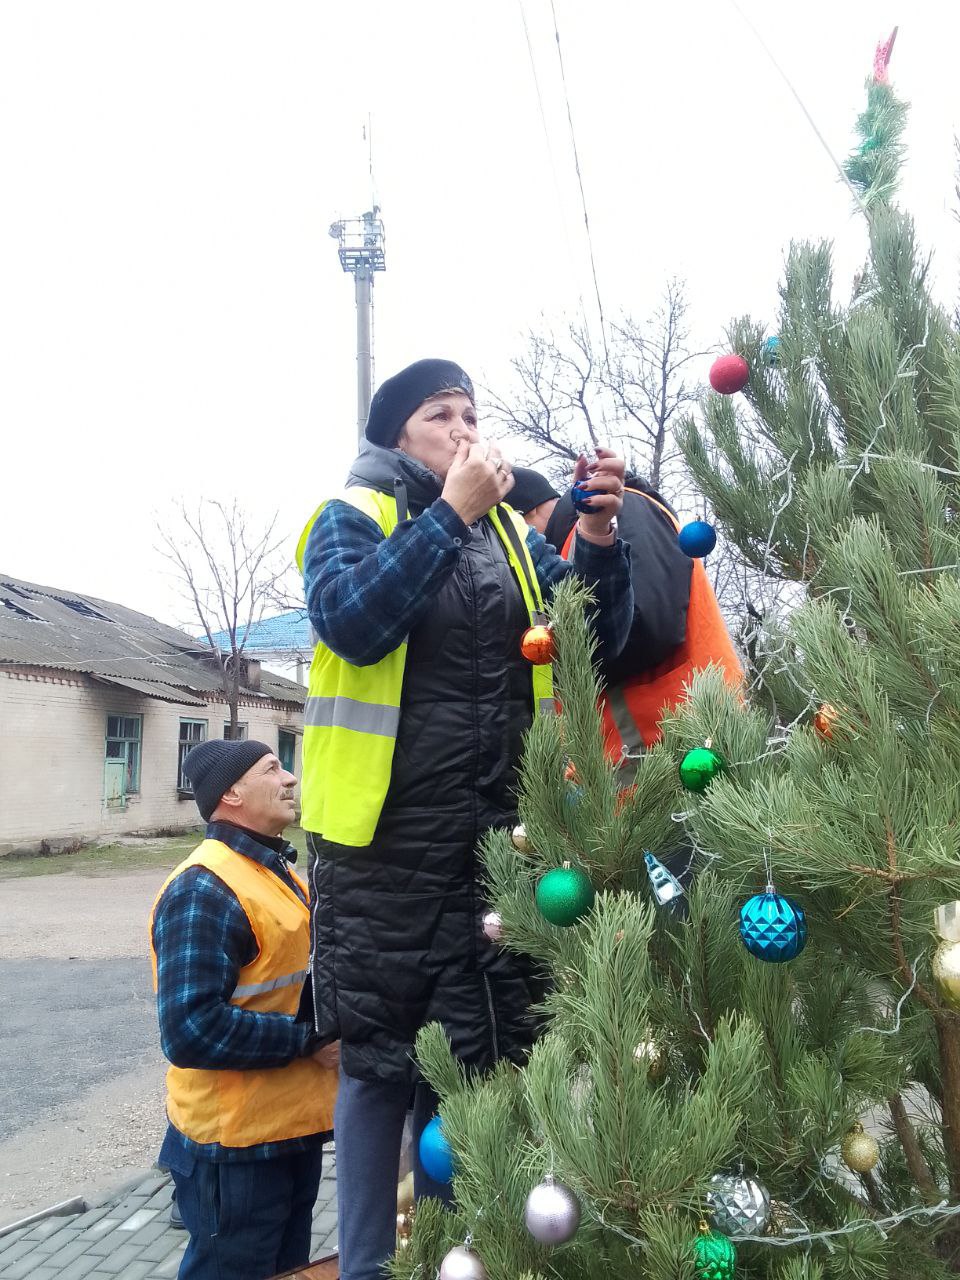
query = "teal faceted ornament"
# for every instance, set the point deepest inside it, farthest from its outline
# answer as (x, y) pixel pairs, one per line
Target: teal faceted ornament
(773, 928)
(715, 1258)
(771, 350)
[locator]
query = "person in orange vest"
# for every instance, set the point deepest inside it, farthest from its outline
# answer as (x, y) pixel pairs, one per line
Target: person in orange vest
(249, 1093)
(677, 624)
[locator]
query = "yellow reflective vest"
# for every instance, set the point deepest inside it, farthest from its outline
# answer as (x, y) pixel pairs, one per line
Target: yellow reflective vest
(246, 1108)
(352, 713)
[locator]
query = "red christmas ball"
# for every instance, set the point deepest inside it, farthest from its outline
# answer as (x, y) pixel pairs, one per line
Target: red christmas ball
(536, 645)
(729, 374)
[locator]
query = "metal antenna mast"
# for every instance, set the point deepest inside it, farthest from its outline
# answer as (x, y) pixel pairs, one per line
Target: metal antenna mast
(362, 252)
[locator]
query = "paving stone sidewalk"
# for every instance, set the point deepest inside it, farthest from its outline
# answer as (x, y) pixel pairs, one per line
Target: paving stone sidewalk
(128, 1236)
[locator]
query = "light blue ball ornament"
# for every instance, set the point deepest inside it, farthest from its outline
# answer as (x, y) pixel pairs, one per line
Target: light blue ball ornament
(773, 928)
(435, 1153)
(771, 350)
(697, 539)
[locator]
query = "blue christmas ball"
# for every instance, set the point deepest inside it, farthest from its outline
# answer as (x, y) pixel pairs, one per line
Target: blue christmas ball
(580, 496)
(771, 350)
(697, 539)
(435, 1154)
(773, 928)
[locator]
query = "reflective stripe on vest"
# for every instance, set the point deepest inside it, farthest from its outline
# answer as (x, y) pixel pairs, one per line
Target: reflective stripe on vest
(632, 711)
(352, 713)
(347, 713)
(250, 1107)
(259, 988)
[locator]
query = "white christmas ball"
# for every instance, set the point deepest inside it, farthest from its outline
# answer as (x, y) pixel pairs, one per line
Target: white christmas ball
(462, 1263)
(552, 1213)
(493, 926)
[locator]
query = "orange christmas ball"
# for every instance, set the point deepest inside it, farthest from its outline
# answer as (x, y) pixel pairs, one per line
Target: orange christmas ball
(825, 719)
(570, 773)
(536, 645)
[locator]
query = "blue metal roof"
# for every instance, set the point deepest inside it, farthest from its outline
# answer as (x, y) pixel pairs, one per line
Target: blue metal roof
(286, 631)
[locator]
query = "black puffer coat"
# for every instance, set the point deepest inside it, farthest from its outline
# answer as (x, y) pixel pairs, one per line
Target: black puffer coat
(397, 925)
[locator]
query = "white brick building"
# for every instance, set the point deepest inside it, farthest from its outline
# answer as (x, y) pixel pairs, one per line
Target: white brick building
(98, 705)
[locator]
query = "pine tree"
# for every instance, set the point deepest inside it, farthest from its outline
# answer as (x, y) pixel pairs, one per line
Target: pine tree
(677, 1067)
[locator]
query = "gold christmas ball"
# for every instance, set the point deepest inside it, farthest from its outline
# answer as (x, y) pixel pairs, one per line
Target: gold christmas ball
(946, 971)
(649, 1053)
(825, 719)
(536, 644)
(860, 1151)
(521, 841)
(405, 1198)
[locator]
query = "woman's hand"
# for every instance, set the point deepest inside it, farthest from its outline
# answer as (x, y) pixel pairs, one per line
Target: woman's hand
(479, 478)
(605, 478)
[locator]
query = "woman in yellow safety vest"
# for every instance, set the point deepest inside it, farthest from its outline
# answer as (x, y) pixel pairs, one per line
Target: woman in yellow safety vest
(420, 580)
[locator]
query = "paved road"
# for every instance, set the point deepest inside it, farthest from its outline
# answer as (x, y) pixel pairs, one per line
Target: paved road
(69, 1026)
(81, 1074)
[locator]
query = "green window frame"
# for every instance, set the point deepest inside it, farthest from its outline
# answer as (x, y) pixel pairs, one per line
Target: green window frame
(124, 741)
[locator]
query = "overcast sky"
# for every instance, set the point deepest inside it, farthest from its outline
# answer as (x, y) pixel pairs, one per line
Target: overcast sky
(173, 316)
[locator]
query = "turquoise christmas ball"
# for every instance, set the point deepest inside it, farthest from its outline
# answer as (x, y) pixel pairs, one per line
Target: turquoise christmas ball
(564, 895)
(773, 928)
(697, 539)
(771, 350)
(435, 1154)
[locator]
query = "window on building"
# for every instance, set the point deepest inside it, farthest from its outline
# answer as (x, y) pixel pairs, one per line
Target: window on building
(287, 749)
(241, 734)
(191, 732)
(124, 736)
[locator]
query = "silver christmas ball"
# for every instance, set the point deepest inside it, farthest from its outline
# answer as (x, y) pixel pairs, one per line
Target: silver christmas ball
(493, 926)
(461, 1263)
(741, 1206)
(552, 1213)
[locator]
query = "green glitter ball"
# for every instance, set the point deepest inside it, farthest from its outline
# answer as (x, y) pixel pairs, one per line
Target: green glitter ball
(699, 767)
(714, 1256)
(564, 895)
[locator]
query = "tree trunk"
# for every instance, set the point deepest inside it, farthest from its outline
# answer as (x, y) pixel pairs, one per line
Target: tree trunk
(948, 1040)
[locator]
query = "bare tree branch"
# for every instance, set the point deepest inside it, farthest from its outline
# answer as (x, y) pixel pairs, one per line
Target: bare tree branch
(229, 577)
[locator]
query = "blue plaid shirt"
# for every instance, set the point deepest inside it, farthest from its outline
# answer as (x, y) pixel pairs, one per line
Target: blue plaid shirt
(365, 593)
(202, 939)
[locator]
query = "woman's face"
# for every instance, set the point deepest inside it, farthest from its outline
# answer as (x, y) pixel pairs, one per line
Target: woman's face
(432, 432)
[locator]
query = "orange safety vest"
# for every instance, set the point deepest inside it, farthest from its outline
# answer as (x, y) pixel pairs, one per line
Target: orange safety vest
(632, 711)
(245, 1108)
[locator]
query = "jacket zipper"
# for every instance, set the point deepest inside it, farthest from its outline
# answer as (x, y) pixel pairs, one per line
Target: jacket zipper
(493, 1019)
